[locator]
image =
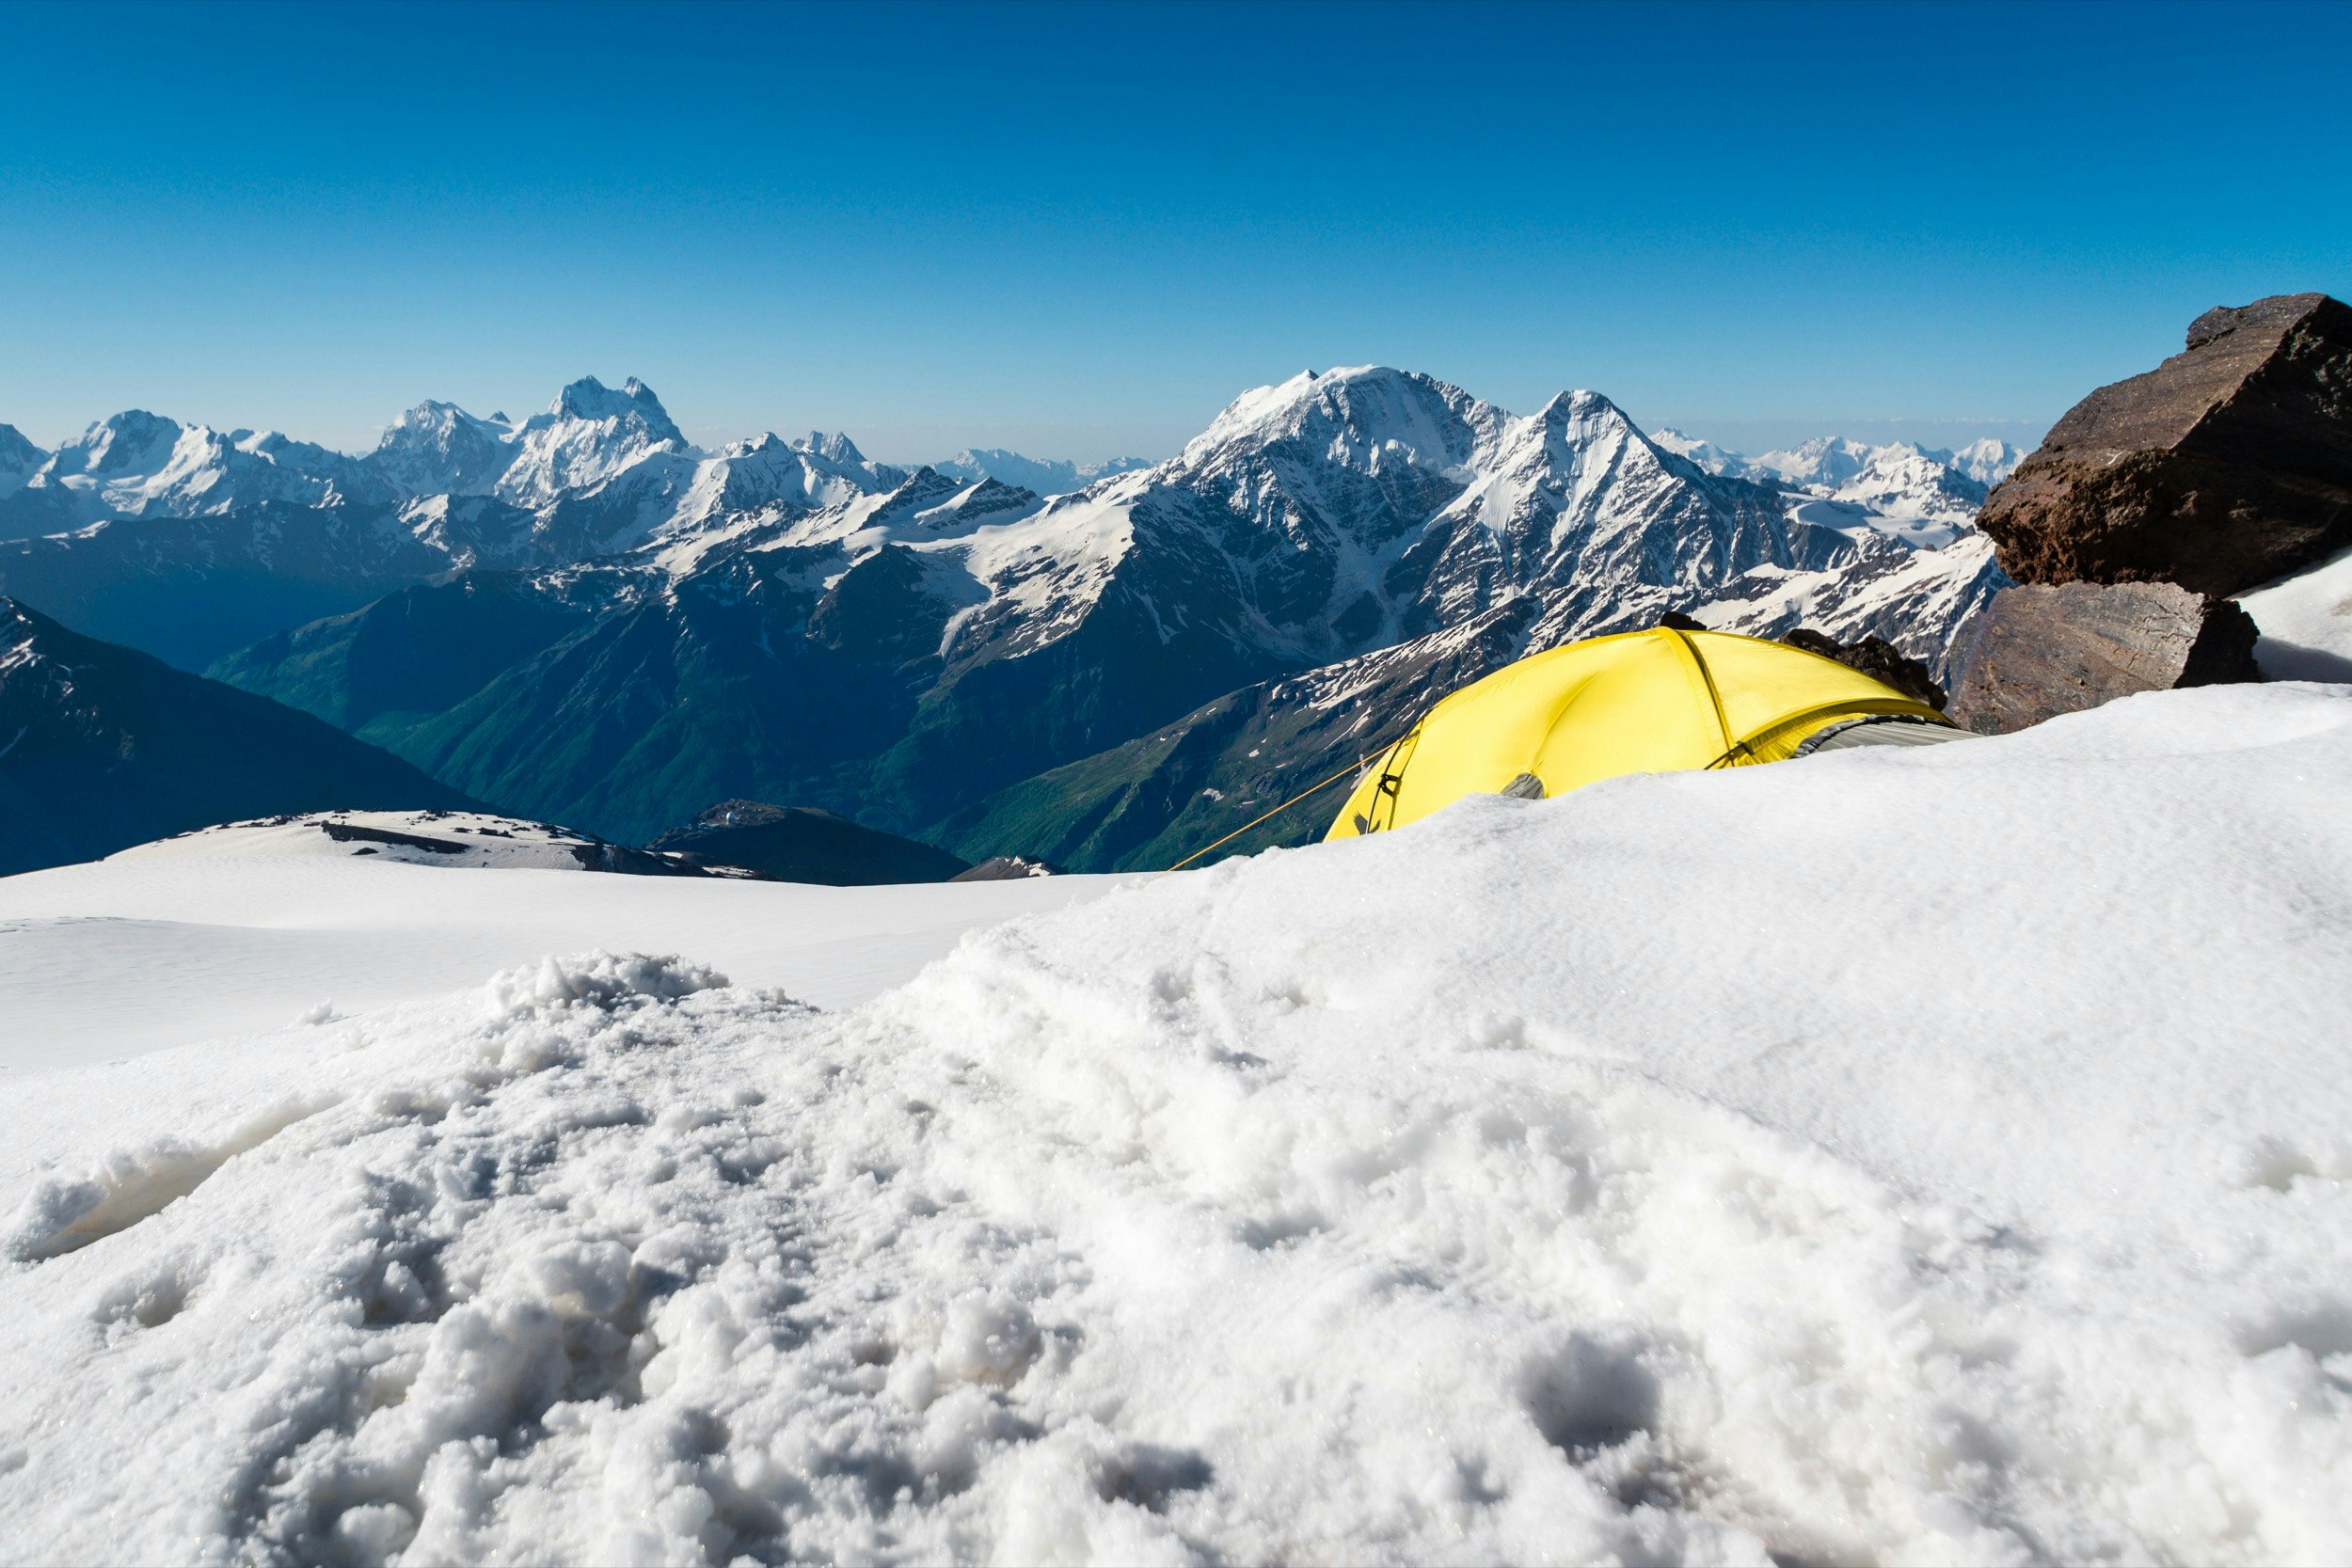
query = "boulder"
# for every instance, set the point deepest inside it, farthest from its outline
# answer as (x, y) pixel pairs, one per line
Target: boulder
(1004, 868)
(2225, 466)
(1876, 658)
(2039, 650)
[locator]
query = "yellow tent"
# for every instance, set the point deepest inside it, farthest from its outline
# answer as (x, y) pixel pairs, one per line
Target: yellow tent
(1643, 702)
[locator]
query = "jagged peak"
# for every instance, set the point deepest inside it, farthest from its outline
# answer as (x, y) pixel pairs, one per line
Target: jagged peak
(767, 444)
(591, 399)
(831, 446)
(1345, 394)
(131, 421)
(1580, 403)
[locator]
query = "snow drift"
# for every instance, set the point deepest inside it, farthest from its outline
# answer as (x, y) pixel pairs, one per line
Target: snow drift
(1929, 1156)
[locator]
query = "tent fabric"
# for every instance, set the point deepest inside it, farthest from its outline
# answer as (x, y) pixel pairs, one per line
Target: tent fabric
(1898, 729)
(1644, 701)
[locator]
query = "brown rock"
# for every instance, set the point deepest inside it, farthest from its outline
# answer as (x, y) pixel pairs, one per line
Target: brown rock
(2226, 465)
(1876, 658)
(2037, 652)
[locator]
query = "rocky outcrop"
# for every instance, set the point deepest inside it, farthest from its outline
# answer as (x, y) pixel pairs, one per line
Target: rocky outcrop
(1005, 868)
(2225, 466)
(2040, 651)
(801, 844)
(1877, 658)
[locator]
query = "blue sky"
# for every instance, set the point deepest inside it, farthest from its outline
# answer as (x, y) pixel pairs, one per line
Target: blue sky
(1079, 230)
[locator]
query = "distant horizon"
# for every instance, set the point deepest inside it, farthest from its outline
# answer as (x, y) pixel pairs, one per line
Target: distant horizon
(1748, 437)
(1078, 230)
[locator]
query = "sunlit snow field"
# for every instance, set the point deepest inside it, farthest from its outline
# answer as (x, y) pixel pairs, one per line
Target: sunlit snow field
(1938, 1155)
(240, 930)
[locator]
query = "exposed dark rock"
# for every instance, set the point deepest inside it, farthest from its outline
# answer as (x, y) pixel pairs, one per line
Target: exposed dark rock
(1673, 620)
(2040, 651)
(880, 609)
(2227, 465)
(1876, 658)
(596, 855)
(801, 844)
(350, 832)
(1005, 868)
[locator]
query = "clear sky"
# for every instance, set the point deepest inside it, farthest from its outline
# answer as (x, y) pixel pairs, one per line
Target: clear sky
(1080, 231)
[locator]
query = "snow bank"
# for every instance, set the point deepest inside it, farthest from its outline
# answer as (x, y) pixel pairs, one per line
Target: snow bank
(241, 929)
(1930, 1156)
(2306, 623)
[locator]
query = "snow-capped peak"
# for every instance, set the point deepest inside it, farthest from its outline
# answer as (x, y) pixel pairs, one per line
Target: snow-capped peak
(132, 441)
(1363, 417)
(832, 447)
(1898, 481)
(439, 449)
(1828, 461)
(591, 399)
(1709, 457)
(591, 434)
(19, 459)
(1045, 476)
(136, 464)
(1987, 461)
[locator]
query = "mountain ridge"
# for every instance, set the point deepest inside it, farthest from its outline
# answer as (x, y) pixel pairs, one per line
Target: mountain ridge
(906, 644)
(103, 747)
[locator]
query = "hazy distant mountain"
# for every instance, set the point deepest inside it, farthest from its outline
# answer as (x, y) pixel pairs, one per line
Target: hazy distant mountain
(1932, 492)
(138, 464)
(103, 747)
(1046, 476)
(439, 449)
(1987, 461)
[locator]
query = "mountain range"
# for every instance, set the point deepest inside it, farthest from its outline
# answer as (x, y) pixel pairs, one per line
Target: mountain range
(583, 618)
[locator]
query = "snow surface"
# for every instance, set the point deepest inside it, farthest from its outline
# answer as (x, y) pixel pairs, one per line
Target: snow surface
(239, 930)
(1719, 1167)
(2306, 623)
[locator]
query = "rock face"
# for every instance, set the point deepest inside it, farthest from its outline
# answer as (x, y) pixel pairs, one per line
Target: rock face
(1005, 868)
(2040, 651)
(1877, 658)
(2225, 466)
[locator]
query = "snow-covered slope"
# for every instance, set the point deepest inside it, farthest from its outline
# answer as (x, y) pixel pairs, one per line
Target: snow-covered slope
(1046, 476)
(1987, 461)
(1901, 481)
(603, 470)
(437, 449)
(19, 460)
(589, 434)
(1354, 508)
(2306, 623)
(1708, 455)
(236, 930)
(1697, 1189)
